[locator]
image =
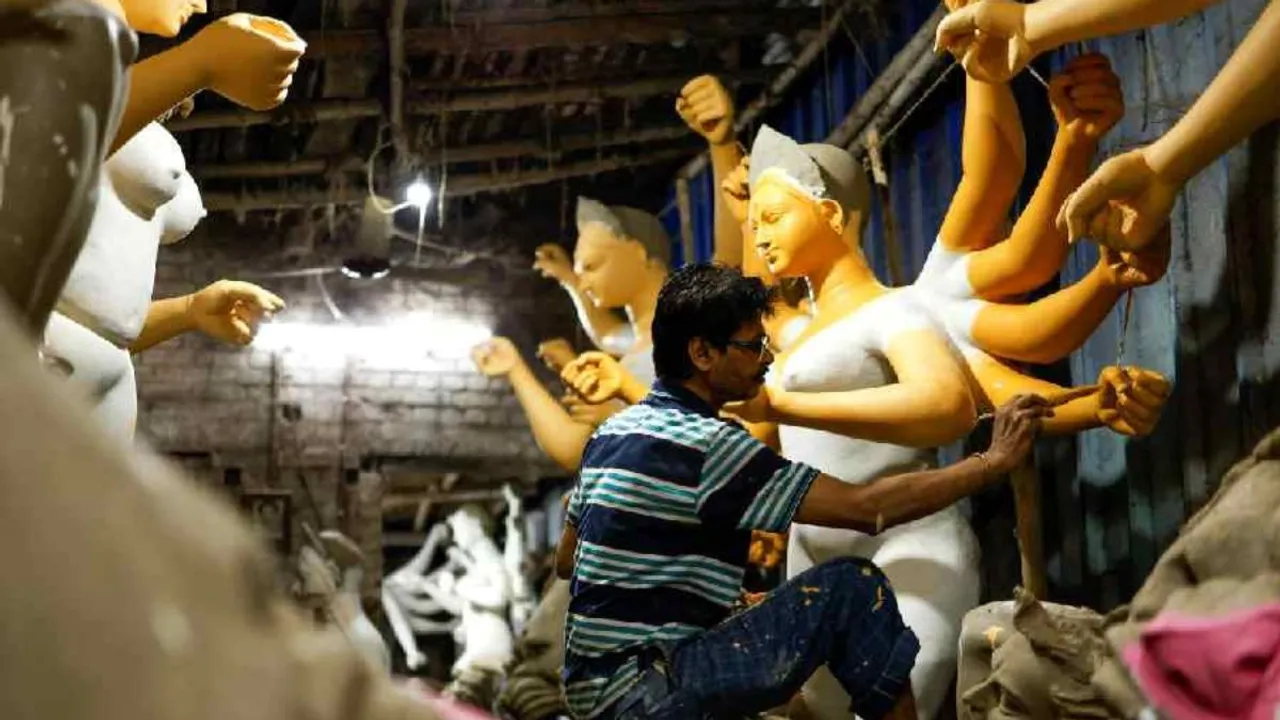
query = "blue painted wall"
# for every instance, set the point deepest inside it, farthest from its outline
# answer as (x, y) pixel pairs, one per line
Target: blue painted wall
(1111, 504)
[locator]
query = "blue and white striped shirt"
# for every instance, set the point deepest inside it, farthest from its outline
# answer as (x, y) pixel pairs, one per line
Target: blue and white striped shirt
(666, 500)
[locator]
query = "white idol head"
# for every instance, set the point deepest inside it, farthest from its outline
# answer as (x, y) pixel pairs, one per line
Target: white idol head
(467, 525)
(147, 171)
(181, 214)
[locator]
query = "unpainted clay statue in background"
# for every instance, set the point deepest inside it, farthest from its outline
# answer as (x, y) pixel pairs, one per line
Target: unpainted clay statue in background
(411, 596)
(62, 85)
(485, 591)
(147, 199)
(334, 572)
(620, 262)
(523, 599)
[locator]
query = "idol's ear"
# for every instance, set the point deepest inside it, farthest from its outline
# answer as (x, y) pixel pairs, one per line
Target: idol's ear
(832, 215)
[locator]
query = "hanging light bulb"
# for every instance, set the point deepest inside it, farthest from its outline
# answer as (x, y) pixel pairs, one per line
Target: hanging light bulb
(418, 193)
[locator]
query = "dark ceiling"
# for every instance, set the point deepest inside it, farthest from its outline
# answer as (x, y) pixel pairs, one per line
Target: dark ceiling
(513, 106)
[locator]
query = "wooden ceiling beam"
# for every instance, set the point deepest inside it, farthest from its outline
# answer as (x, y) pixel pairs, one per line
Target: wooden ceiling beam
(647, 29)
(488, 152)
(593, 9)
(330, 110)
(458, 185)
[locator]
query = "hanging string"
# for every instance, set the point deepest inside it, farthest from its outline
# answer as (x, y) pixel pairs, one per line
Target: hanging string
(884, 140)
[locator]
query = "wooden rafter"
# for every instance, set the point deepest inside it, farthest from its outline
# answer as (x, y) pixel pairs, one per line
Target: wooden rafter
(647, 29)
(329, 110)
(465, 154)
(459, 185)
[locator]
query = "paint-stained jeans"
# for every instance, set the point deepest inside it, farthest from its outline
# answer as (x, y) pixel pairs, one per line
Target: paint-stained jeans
(841, 613)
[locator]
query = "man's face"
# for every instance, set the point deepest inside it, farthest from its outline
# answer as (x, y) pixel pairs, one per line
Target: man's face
(737, 372)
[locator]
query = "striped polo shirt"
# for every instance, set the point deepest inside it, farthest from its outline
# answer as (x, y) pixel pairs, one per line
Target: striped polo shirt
(666, 500)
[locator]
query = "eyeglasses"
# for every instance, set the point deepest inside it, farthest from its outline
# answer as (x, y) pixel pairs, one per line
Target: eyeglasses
(760, 347)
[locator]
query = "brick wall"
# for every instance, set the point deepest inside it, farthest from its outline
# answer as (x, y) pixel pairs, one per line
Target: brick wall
(332, 397)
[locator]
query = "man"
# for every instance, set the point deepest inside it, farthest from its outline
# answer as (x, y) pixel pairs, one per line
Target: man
(660, 523)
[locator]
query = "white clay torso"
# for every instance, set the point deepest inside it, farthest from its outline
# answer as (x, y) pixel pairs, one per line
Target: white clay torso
(639, 362)
(943, 286)
(147, 197)
(933, 562)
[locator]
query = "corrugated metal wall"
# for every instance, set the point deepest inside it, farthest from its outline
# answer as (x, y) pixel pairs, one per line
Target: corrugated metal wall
(1111, 505)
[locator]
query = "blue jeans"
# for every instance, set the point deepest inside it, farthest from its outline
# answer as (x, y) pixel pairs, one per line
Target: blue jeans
(842, 614)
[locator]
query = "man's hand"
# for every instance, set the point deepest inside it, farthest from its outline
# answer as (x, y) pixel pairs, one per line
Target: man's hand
(736, 189)
(556, 353)
(249, 59)
(229, 310)
(1086, 97)
(595, 376)
(495, 357)
(1132, 399)
(705, 106)
(553, 262)
(1128, 270)
(1017, 423)
(1123, 205)
(988, 37)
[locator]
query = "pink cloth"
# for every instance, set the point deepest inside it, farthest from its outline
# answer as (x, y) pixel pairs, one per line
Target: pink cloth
(1225, 668)
(447, 708)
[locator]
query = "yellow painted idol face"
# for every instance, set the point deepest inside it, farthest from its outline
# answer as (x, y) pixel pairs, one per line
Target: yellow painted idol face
(783, 219)
(161, 17)
(610, 268)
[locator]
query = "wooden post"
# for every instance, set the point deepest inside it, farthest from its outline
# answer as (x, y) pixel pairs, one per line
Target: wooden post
(880, 176)
(1026, 502)
(685, 206)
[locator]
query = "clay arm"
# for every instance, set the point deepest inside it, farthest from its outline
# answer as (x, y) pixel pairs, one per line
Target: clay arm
(1036, 247)
(156, 85)
(227, 310)
(402, 630)
(1048, 329)
(1240, 99)
(996, 39)
(1052, 23)
(562, 439)
(730, 240)
(513, 545)
(930, 404)
(1000, 382)
(166, 319)
(707, 108)
(993, 156)
(418, 565)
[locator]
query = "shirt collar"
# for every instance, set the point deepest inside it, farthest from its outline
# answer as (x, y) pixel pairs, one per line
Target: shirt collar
(685, 398)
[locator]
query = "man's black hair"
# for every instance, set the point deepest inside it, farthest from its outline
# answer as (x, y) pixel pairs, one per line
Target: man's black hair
(702, 301)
